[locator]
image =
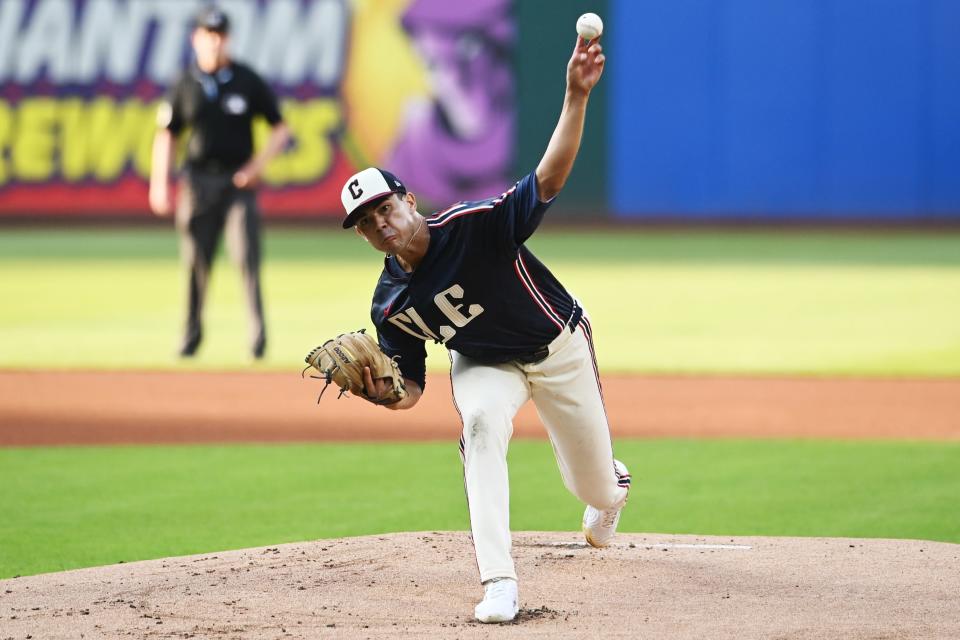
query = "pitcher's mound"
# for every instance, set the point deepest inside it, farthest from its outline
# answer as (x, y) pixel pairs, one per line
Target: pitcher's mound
(424, 585)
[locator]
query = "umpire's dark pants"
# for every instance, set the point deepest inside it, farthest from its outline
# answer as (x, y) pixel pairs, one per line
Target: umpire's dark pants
(208, 203)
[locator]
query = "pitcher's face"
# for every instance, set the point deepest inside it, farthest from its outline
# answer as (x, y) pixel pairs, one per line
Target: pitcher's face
(390, 223)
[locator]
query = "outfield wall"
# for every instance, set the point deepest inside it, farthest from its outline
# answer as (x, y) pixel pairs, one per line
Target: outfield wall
(753, 108)
(710, 109)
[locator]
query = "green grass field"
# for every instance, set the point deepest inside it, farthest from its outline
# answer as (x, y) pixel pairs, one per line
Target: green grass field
(811, 303)
(76, 507)
(746, 302)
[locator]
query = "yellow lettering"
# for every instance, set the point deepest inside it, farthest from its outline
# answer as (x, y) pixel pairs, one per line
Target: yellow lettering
(74, 140)
(6, 128)
(103, 138)
(143, 151)
(312, 125)
(35, 139)
(115, 133)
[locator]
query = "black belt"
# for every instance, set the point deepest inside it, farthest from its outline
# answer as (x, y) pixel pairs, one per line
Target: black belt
(540, 354)
(530, 357)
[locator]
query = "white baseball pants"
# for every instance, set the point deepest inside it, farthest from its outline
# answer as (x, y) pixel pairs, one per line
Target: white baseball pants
(566, 391)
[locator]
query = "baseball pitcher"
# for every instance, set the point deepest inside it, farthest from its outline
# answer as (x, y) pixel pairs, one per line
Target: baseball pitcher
(463, 277)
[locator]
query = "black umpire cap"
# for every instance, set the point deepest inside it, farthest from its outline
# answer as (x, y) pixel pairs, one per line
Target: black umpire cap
(212, 18)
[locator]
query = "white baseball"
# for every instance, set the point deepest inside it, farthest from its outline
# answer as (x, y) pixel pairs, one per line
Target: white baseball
(589, 26)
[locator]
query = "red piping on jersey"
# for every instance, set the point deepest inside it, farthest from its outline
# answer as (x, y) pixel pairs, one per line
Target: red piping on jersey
(454, 216)
(541, 299)
(551, 317)
(452, 212)
(524, 265)
(448, 209)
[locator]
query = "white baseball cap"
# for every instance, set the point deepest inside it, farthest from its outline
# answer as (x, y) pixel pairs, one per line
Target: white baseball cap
(365, 187)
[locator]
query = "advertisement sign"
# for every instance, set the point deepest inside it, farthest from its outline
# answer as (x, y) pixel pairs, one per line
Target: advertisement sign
(423, 87)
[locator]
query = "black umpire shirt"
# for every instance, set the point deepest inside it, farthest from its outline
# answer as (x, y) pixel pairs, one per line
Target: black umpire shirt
(219, 108)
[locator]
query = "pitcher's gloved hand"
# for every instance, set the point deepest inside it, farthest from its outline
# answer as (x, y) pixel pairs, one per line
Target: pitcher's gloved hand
(343, 361)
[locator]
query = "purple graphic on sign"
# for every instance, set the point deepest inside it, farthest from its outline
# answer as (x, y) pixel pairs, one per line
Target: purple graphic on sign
(458, 144)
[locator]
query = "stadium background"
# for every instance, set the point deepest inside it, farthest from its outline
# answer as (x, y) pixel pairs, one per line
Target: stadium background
(723, 112)
(724, 109)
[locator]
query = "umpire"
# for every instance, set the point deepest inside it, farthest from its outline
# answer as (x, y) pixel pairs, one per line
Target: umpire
(217, 99)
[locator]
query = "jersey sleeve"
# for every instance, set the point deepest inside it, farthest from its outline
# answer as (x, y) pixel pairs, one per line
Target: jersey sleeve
(265, 101)
(519, 211)
(411, 353)
(170, 110)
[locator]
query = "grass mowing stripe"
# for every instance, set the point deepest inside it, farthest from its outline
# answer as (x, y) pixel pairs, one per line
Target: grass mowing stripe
(689, 318)
(622, 244)
(73, 507)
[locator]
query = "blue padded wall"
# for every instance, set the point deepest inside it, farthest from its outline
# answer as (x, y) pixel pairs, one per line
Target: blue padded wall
(784, 108)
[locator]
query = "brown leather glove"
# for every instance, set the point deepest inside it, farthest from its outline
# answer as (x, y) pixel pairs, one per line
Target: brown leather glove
(342, 360)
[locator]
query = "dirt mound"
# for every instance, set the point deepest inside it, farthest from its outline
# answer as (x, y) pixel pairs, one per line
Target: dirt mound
(424, 585)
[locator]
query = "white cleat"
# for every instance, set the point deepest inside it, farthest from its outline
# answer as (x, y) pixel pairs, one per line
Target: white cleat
(599, 526)
(499, 601)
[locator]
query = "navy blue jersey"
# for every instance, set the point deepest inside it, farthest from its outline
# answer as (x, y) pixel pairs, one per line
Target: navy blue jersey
(478, 289)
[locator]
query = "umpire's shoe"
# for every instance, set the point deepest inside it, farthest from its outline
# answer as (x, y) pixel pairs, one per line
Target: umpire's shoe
(600, 525)
(259, 348)
(190, 344)
(499, 601)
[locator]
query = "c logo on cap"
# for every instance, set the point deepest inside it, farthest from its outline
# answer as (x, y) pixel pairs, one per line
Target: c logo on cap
(355, 189)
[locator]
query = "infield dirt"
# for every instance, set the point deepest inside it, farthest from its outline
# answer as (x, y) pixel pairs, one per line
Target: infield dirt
(424, 585)
(421, 585)
(53, 408)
